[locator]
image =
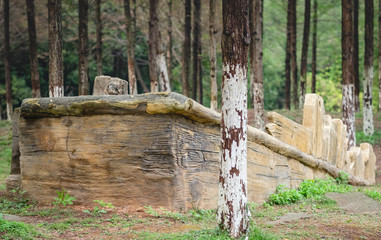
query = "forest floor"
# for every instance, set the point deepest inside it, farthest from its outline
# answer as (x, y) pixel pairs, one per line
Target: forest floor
(334, 216)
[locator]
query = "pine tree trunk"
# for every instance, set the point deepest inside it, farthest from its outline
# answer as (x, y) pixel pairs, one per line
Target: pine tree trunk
(212, 54)
(368, 127)
(348, 72)
(294, 65)
(56, 86)
(196, 48)
(153, 34)
(8, 83)
(287, 87)
(83, 81)
(314, 46)
(169, 40)
(186, 48)
(163, 72)
(379, 56)
(232, 202)
(98, 46)
(356, 53)
(303, 64)
(130, 49)
(34, 75)
(256, 63)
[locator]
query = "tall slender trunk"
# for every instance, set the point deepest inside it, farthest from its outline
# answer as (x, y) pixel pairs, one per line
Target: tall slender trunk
(140, 78)
(379, 56)
(232, 202)
(130, 48)
(348, 72)
(303, 63)
(196, 48)
(212, 54)
(169, 40)
(34, 75)
(356, 53)
(8, 83)
(163, 72)
(152, 42)
(368, 127)
(314, 46)
(56, 86)
(294, 65)
(186, 48)
(83, 81)
(98, 23)
(287, 88)
(256, 63)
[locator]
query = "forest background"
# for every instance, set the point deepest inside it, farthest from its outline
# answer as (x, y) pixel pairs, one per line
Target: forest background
(328, 76)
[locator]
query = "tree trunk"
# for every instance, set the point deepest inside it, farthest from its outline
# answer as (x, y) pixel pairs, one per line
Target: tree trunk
(256, 63)
(287, 88)
(379, 56)
(314, 46)
(152, 42)
(8, 83)
(232, 201)
(196, 48)
(130, 49)
(169, 40)
(294, 65)
(368, 70)
(56, 86)
(98, 46)
(348, 72)
(212, 54)
(83, 78)
(356, 53)
(163, 72)
(186, 48)
(34, 75)
(303, 64)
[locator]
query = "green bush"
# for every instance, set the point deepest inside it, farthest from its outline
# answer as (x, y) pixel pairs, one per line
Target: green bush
(373, 194)
(17, 230)
(284, 196)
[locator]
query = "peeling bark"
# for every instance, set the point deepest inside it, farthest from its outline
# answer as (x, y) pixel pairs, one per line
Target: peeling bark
(56, 86)
(303, 63)
(83, 79)
(212, 54)
(130, 49)
(152, 42)
(163, 73)
(98, 46)
(169, 40)
(314, 46)
(8, 83)
(368, 127)
(232, 208)
(356, 53)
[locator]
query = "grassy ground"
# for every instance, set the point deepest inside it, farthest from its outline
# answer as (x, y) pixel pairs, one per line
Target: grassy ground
(321, 217)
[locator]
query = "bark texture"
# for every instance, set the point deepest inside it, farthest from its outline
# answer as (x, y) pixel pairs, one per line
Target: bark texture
(169, 40)
(197, 88)
(212, 54)
(379, 56)
(256, 63)
(34, 75)
(8, 83)
(294, 65)
(56, 86)
(163, 72)
(152, 42)
(130, 48)
(98, 46)
(186, 48)
(232, 201)
(83, 39)
(287, 87)
(356, 53)
(348, 102)
(368, 127)
(303, 64)
(314, 46)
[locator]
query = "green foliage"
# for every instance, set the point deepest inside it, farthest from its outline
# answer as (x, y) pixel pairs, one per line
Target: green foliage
(310, 189)
(99, 210)
(373, 194)
(362, 138)
(5, 148)
(63, 198)
(18, 203)
(17, 230)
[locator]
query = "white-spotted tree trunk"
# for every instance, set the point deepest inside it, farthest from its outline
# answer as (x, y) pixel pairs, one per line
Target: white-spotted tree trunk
(232, 200)
(212, 54)
(368, 127)
(163, 72)
(7, 65)
(348, 101)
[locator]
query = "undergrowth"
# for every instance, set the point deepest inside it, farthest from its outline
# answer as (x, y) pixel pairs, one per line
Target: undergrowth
(373, 194)
(17, 230)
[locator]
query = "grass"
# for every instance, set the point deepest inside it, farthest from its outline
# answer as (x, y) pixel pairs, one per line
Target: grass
(17, 230)
(5, 149)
